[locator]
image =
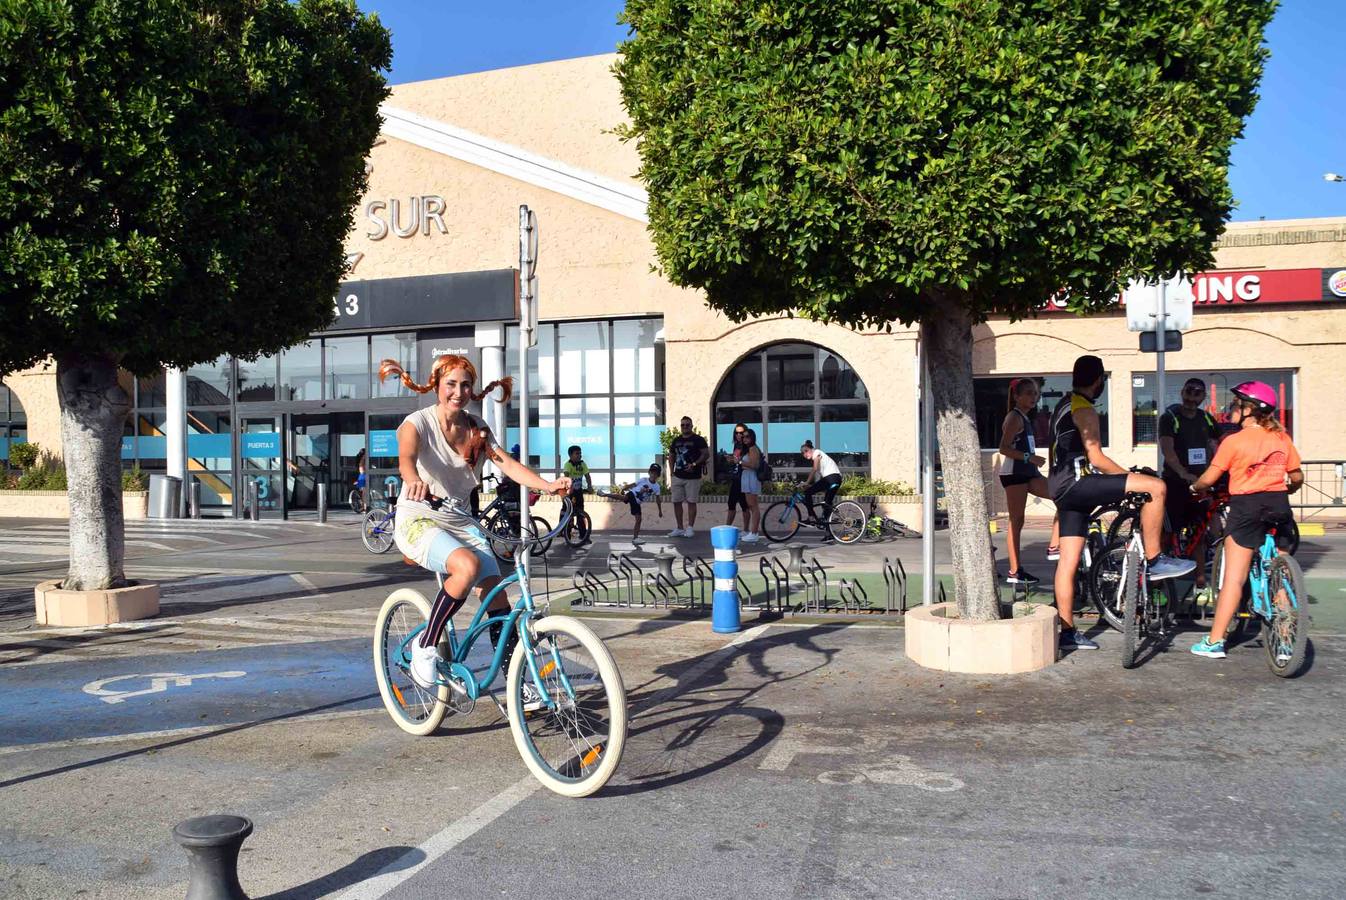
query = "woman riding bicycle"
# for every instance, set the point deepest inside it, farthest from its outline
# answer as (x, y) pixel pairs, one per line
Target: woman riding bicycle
(441, 452)
(1082, 478)
(1264, 468)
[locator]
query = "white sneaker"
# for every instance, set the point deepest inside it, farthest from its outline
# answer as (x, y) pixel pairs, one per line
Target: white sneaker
(749, 538)
(1166, 566)
(637, 541)
(676, 532)
(532, 700)
(424, 665)
(687, 532)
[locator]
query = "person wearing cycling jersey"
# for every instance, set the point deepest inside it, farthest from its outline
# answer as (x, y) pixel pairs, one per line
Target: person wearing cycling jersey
(1264, 469)
(441, 452)
(1019, 474)
(1082, 478)
(1187, 438)
(825, 476)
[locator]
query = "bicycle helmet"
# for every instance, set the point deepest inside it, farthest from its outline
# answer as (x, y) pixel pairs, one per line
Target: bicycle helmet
(1259, 394)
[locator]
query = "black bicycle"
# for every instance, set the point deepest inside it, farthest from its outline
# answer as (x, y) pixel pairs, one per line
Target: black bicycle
(578, 529)
(501, 520)
(846, 523)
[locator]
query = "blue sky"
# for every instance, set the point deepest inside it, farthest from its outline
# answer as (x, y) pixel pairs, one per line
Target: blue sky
(1297, 133)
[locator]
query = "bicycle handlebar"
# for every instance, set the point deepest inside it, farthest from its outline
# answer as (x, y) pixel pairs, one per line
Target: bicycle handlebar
(567, 511)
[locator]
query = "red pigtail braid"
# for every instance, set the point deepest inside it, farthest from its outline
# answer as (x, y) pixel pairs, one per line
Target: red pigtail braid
(506, 386)
(390, 367)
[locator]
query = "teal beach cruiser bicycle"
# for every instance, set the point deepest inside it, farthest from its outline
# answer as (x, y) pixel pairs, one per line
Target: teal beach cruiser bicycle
(564, 697)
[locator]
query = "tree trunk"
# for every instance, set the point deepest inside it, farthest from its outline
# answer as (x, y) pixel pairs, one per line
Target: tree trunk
(93, 411)
(947, 337)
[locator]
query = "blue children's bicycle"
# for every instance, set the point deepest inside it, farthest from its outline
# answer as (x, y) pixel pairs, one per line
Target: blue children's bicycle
(564, 697)
(1276, 594)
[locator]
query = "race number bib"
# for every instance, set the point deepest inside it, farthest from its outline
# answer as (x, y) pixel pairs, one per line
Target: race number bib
(1032, 446)
(1196, 456)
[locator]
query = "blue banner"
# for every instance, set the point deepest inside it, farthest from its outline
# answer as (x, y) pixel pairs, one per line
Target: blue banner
(152, 446)
(845, 437)
(209, 446)
(786, 437)
(128, 447)
(383, 443)
(255, 445)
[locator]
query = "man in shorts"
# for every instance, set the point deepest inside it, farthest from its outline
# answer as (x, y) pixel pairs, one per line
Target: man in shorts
(689, 454)
(1082, 478)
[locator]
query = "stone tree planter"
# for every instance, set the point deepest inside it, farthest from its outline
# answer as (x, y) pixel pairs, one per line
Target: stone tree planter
(56, 504)
(937, 640)
(57, 606)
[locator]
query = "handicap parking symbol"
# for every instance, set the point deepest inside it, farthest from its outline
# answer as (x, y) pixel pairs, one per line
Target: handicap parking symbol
(159, 682)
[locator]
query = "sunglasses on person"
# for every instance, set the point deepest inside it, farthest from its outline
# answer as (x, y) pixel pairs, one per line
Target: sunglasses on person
(1194, 389)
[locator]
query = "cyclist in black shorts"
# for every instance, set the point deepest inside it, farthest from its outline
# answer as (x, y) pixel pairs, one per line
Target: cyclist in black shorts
(1081, 479)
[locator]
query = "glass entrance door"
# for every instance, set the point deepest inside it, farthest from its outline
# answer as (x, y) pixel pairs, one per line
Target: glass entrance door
(307, 460)
(259, 451)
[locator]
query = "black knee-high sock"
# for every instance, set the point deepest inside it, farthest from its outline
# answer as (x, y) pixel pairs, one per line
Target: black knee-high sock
(510, 643)
(440, 613)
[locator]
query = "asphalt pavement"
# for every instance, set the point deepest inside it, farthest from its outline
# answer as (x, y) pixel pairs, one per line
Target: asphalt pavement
(803, 757)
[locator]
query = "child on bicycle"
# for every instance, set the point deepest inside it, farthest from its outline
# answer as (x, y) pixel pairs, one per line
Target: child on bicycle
(577, 470)
(1264, 469)
(640, 492)
(441, 452)
(1081, 479)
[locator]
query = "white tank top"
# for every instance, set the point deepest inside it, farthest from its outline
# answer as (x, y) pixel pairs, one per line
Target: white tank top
(444, 471)
(826, 466)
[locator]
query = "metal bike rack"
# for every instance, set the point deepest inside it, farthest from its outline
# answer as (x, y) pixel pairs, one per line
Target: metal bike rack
(774, 572)
(895, 583)
(700, 576)
(623, 570)
(853, 592)
(581, 587)
(744, 592)
(596, 584)
(659, 589)
(820, 580)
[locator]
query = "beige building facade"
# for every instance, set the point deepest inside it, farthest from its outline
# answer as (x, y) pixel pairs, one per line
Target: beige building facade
(622, 353)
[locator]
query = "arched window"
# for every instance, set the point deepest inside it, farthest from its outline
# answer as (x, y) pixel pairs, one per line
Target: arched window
(793, 392)
(13, 424)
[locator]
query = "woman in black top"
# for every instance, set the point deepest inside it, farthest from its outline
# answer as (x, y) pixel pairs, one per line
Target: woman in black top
(1019, 473)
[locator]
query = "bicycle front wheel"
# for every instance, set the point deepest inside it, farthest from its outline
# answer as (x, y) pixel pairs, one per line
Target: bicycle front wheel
(356, 500)
(1131, 579)
(1286, 635)
(376, 530)
(780, 521)
(415, 710)
(847, 522)
(578, 529)
(574, 746)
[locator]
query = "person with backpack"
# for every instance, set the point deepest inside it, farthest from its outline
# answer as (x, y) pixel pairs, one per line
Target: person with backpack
(755, 468)
(1188, 436)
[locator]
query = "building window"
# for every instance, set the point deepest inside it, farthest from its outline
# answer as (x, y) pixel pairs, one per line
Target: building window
(991, 398)
(13, 424)
(1145, 411)
(301, 372)
(257, 380)
(597, 385)
(347, 362)
(790, 393)
(401, 348)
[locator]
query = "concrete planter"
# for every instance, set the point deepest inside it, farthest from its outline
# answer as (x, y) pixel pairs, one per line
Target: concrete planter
(1004, 647)
(75, 609)
(56, 504)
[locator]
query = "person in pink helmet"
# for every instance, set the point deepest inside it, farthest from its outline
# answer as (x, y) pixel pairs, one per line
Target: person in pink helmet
(1264, 468)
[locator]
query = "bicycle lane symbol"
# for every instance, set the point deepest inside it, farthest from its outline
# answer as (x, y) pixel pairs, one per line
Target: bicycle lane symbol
(881, 767)
(159, 683)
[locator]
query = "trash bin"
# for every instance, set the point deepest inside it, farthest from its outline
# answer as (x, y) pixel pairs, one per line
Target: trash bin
(165, 495)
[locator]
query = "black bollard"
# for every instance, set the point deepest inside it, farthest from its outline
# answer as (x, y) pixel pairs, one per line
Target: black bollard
(212, 844)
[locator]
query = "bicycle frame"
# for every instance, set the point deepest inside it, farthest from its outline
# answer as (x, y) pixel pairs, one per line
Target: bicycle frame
(1257, 580)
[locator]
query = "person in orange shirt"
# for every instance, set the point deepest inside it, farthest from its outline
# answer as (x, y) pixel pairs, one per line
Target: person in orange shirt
(1264, 468)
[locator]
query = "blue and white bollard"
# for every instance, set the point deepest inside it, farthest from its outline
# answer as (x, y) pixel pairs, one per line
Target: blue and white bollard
(724, 617)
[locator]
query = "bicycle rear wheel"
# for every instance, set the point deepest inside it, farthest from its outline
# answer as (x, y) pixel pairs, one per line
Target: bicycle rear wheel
(376, 530)
(780, 521)
(540, 526)
(415, 709)
(574, 747)
(578, 529)
(1234, 633)
(1119, 525)
(1286, 636)
(1131, 579)
(1105, 584)
(356, 500)
(847, 522)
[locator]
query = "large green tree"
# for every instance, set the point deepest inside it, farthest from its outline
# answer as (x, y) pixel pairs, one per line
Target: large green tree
(178, 180)
(936, 162)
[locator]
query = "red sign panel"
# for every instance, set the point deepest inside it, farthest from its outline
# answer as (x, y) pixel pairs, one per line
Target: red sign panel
(1257, 287)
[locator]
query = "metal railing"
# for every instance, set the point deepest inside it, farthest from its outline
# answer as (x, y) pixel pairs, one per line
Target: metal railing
(1324, 485)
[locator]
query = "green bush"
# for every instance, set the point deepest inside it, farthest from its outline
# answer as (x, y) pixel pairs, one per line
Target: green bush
(24, 455)
(134, 480)
(713, 488)
(852, 486)
(46, 475)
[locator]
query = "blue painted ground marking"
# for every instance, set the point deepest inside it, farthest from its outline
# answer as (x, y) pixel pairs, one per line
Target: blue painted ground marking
(47, 701)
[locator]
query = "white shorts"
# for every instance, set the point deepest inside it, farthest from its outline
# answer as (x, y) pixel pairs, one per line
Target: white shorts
(430, 544)
(750, 483)
(686, 490)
